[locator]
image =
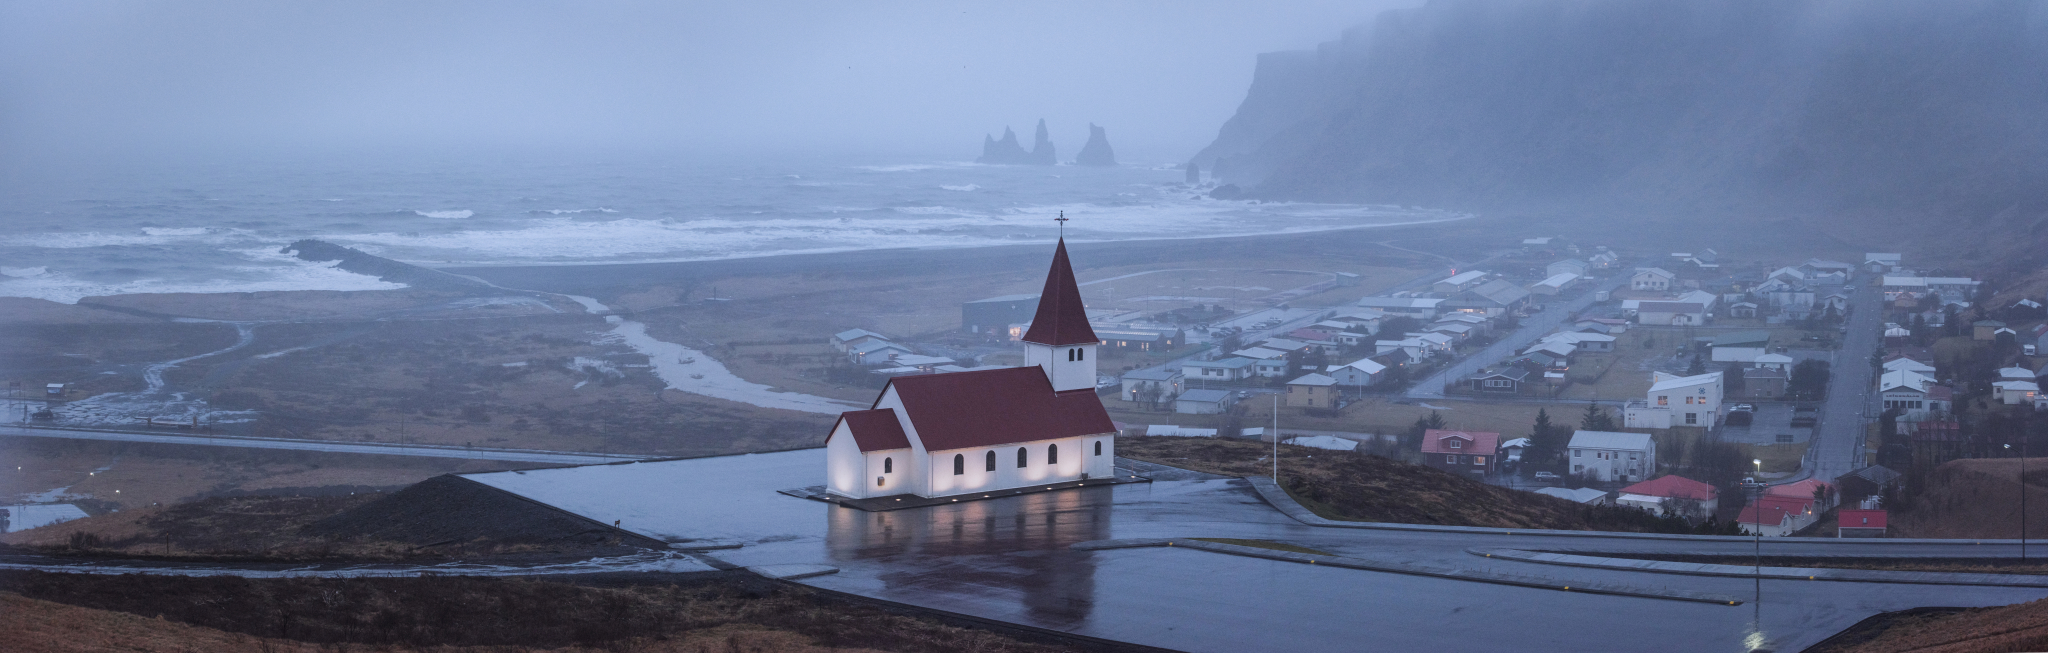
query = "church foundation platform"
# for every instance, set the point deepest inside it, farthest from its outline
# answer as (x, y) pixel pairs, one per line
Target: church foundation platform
(903, 501)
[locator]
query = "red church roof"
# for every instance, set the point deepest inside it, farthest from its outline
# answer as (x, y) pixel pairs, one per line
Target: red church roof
(1674, 487)
(1061, 319)
(990, 408)
(875, 430)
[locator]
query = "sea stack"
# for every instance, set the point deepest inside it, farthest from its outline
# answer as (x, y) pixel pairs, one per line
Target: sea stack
(1041, 150)
(1097, 151)
(1005, 151)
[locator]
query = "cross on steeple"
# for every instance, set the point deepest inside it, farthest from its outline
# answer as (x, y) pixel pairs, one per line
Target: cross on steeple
(1063, 224)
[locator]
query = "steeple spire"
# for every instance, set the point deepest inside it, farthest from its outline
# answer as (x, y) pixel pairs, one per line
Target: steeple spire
(1061, 319)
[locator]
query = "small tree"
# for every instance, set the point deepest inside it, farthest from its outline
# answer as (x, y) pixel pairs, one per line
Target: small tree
(1545, 440)
(1413, 438)
(1596, 419)
(1698, 366)
(1809, 380)
(1732, 381)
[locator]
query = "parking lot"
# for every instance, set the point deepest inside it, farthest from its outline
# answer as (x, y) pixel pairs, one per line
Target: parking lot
(1773, 422)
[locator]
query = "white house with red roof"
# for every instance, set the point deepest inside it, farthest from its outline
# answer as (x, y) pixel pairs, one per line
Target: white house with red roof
(956, 433)
(1672, 493)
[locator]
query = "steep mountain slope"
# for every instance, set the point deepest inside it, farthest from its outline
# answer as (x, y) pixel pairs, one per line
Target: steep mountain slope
(1877, 113)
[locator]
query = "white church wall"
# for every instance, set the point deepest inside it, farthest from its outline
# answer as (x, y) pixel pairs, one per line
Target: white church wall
(844, 464)
(1036, 471)
(887, 471)
(1102, 465)
(1064, 374)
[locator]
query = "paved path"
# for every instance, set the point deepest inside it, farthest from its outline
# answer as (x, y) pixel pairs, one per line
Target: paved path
(381, 449)
(1838, 439)
(1533, 328)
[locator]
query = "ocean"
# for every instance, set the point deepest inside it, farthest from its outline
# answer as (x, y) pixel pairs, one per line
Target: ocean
(219, 227)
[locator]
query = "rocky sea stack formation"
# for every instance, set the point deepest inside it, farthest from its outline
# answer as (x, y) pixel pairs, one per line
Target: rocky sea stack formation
(1888, 112)
(1097, 151)
(1008, 152)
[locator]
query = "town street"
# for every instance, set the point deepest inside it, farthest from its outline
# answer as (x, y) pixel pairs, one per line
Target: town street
(1509, 344)
(1838, 439)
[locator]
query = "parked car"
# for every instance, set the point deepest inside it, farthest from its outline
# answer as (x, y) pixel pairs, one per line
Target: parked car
(1546, 476)
(1744, 407)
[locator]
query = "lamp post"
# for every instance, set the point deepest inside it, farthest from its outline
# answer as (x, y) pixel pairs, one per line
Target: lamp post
(2023, 498)
(1759, 503)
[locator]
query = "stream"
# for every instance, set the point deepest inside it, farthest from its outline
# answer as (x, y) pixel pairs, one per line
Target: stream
(692, 371)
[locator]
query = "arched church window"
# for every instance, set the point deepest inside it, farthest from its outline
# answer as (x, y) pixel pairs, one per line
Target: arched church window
(959, 464)
(888, 465)
(1080, 354)
(991, 460)
(1070, 355)
(1098, 447)
(1023, 457)
(1052, 454)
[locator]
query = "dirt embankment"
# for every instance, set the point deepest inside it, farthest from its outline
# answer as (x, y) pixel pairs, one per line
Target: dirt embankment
(445, 517)
(2020, 627)
(719, 612)
(1343, 485)
(1977, 498)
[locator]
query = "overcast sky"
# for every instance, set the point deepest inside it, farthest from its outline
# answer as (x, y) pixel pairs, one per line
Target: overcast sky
(905, 77)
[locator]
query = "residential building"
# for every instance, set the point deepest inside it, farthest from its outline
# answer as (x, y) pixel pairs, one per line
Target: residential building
(1459, 282)
(1507, 380)
(1779, 362)
(1912, 393)
(1553, 285)
(1605, 456)
(995, 314)
(1312, 391)
(1203, 402)
(1421, 308)
(1137, 338)
(1872, 481)
(1651, 279)
(1464, 452)
(1882, 261)
(1763, 382)
(876, 352)
(1677, 401)
(1223, 370)
(1162, 382)
(1671, 313)
(2019, 393)
(1776, 516)
(1603, 260)
(1585, 495)
(1569, 266)
(1359, 373)
(1671, 493)
(1511, 451)
(1492, 298)
(845, 341)
(1985, 329)
(1862, 522)
(1741, 346)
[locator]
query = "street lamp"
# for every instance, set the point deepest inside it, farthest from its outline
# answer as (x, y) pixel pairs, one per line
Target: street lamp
(2023, 498)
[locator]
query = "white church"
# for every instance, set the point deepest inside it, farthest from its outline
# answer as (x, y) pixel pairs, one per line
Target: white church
(939, 435)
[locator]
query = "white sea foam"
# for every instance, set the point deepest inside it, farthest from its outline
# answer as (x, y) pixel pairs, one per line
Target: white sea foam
(567, 211)
(456, 214)
(969, 187)
(288, 274)
(174, 231)
(36, 271)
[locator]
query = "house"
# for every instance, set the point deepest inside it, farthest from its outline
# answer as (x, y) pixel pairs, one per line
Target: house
(1162, 382)
(1569, 266)
(1741, 346)
(1605, 456)
(845, 341)
(1203, 402)
(1671, 313)
(1900, 362)
(1985, 329)
(1465, 452)
(1882, 261)
(1871, 481)
(876, 352)
(1421, 308)
(1359, 373)
(1260, 352)
(1553, 285)
(1512, 449)
(1459, 282)
(1603, 260)
(1742, 310)
(1490, 299)
(1763, 382)
(1651, 279)
(2020, 393)
(1272, 368)
(1507, 380)
(1585, 495)
(1018, 427)
(1225, 370)
(1677, 401)
(1861, 522)
(1312, 391)
(1137, 338)
(1779, 362)
(1776, 516)
(1415, 349)
(2015, 374)
(995, 314)
(1910, 392)
(1675, 494)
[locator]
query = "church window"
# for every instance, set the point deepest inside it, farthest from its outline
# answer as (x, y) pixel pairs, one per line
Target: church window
(888, 465)
(1098, 447)
(1023, 457)
(959, 464)
(1070, 355)
(1052, 454)
(991, 461)
(1080, 354)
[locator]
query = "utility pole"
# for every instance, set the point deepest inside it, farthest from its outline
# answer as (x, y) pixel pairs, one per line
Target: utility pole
(1276, 439)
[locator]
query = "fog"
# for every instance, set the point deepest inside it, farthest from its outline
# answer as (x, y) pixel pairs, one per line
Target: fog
(95, 80)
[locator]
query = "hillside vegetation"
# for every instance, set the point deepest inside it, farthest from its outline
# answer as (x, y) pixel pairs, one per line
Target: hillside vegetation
(1350, 486)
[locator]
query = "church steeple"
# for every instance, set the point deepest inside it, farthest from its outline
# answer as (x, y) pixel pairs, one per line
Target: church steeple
(1060, 340)
(1061, 319)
